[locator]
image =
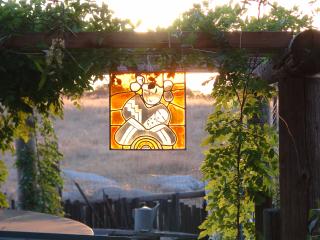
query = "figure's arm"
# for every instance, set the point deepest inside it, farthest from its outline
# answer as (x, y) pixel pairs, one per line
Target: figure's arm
(122, 135)
(132, 110)
(126, 114)
(136, 124)
(161, 116)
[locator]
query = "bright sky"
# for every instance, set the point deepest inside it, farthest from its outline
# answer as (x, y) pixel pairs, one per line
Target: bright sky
(153, 13)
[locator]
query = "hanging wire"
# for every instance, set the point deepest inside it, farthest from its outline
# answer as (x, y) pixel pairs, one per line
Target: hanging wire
(149, 65)
(169, 40)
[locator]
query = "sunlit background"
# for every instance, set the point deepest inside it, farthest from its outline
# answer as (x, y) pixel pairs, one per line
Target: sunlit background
(151, 14)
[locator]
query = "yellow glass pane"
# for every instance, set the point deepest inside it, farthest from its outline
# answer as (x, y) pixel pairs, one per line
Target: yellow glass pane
(175, 77)
(179, 98)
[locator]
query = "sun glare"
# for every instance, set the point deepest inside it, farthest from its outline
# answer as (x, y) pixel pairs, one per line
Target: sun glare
(150, 13)
(161, 13)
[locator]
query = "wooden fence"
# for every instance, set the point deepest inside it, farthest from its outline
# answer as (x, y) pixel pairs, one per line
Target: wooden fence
(177, 212)
(174, 214)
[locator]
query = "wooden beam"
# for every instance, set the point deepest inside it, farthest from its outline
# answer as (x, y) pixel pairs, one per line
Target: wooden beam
(300, 59)
(166, 196)
(254, 41)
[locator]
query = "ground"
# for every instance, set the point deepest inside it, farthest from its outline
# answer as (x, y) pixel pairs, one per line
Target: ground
(83, 139)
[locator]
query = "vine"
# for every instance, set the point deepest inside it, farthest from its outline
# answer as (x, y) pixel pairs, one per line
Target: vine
(49, 180)
(35, 82)
(38, 160)
(241, 162)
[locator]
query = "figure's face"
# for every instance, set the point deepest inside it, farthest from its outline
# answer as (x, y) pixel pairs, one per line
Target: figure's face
(152, 94)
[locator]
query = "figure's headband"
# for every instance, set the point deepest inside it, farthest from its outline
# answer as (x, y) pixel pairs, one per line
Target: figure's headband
(152, 83)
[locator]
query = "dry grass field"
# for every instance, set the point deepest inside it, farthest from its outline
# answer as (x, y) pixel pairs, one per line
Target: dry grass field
(83, 139)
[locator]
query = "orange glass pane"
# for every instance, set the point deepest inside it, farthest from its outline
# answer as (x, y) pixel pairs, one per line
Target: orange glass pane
(178, 86)
(114, 89)
(113, 143)
(116, 118)
(180, 132)
(118, 100)
(145, 110)
(177, 115)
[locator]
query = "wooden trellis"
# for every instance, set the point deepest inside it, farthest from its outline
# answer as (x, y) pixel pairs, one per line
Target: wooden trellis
(299, 91)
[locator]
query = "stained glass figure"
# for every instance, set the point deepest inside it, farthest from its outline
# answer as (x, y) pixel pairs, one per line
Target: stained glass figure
(147, 111)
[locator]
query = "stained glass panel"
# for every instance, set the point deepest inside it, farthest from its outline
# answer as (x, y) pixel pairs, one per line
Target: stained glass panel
(147, 111)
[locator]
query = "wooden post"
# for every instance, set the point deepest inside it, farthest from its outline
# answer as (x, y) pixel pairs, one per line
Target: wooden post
(259, 212)
(266, 201)
(271, 224)
(299, 110)
(12, 204)
(27, 169)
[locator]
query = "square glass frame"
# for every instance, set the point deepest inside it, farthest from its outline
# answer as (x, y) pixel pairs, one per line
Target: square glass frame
(147, 111)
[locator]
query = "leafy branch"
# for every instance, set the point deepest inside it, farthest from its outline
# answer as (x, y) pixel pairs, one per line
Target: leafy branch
(241, 162)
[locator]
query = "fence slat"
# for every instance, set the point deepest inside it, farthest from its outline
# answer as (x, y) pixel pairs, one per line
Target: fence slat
(271, 224)
(123, 213)
(176, 212)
